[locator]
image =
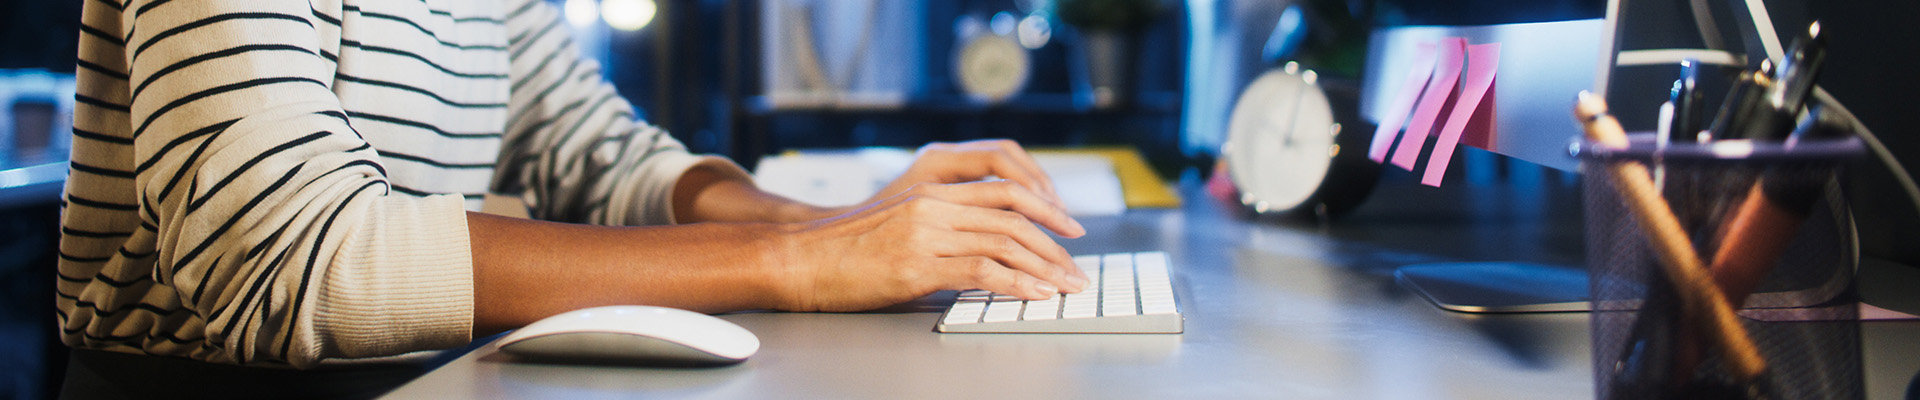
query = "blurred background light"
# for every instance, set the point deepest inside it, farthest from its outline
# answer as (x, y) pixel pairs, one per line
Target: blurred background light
(1003, 23)
(627, 15)
(581, 13)
(1035, 31)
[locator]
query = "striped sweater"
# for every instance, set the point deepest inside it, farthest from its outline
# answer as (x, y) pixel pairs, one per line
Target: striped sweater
(280, 182)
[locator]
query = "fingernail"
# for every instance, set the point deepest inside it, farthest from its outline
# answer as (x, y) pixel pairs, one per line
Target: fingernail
(1079, 282)
(1046, 289)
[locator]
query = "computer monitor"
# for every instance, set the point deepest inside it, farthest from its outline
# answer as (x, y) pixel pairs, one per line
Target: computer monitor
(1548, 51)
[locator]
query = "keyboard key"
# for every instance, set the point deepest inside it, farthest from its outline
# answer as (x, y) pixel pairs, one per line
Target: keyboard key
(1042, 309)
(1002, 312)
(1083, 297)
(1119, 308)
(1078, 312)
(1089, 264)
(966, 312)
(956, 318)
(1081, 305)
(1150, 261)
(1117, 261)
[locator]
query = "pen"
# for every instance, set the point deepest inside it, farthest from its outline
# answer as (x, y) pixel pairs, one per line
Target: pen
(1779, 201)
(1698, 293)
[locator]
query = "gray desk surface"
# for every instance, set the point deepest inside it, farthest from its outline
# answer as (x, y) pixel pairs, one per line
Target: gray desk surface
(1272, 310)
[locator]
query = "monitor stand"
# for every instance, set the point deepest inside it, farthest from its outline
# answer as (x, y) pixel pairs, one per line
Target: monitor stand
(1498, 287)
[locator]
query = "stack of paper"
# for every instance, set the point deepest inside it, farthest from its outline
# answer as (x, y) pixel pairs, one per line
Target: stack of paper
(1086, 182)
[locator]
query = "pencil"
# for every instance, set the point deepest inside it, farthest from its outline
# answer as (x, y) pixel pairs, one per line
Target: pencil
(1678, 261)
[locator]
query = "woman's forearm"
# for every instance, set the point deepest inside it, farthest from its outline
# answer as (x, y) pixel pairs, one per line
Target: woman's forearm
(526, 270)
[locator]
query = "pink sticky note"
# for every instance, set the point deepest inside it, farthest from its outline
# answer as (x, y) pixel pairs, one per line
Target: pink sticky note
(1483, 62)
(1480, 129)
(1446, 75)
(1402, 103)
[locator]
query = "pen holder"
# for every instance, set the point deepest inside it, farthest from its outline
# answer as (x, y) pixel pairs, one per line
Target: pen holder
(1802, 313)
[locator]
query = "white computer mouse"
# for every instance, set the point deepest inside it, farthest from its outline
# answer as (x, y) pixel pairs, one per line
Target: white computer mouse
(633, 335)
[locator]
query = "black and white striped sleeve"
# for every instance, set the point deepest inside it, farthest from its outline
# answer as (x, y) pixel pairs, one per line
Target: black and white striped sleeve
(267, 221)
(573, 146)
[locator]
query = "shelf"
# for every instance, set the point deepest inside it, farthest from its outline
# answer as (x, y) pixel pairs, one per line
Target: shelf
(883, 103)
(32, 184)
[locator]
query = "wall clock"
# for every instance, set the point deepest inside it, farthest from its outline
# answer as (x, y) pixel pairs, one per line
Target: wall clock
(991, 67)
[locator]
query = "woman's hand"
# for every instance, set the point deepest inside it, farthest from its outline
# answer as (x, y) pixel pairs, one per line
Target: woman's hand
(931, 237)
(940, 163)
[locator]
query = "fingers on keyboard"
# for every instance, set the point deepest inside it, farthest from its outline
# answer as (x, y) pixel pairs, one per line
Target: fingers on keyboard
(987, 273)
(1014, 253)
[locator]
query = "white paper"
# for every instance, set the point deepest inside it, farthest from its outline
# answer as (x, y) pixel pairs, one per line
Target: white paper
(1085, 182)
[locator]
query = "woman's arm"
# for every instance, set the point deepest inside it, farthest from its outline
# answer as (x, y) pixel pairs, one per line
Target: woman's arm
(924, 239)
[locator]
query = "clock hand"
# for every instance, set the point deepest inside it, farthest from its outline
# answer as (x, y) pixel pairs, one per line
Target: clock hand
(1292, 114)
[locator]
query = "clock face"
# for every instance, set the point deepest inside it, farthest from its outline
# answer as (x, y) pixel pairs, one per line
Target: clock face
(992, 67)
(1280, 141)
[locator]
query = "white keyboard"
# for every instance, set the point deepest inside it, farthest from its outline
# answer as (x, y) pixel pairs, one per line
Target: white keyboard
(1128, 293)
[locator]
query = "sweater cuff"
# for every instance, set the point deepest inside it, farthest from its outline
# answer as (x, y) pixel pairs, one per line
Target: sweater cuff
(644, 201)
(408, 288)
